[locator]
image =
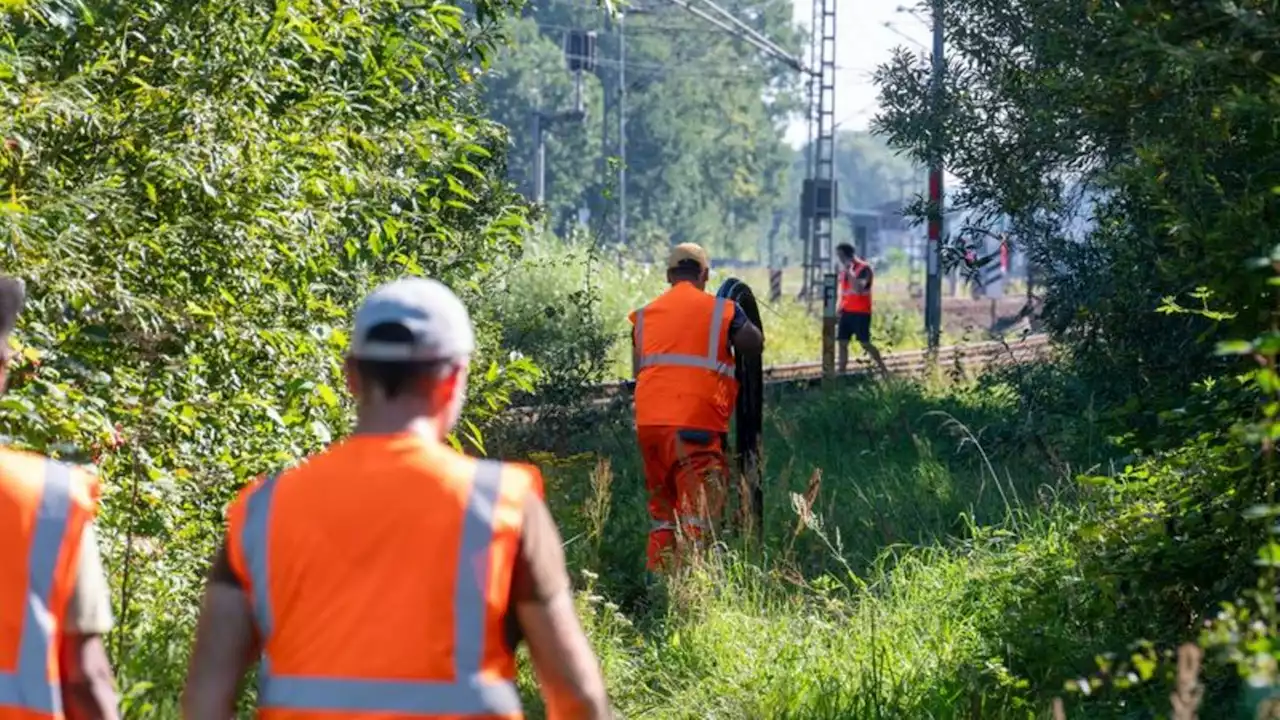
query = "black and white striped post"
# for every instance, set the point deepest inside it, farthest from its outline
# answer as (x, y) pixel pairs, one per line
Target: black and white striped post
(991, 274)
(829, 325)
(775, 284)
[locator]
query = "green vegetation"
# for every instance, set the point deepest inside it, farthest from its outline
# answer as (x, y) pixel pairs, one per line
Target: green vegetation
(963, 551)
(198, 194)
(543, 310)
(705, 162)
(706, 115)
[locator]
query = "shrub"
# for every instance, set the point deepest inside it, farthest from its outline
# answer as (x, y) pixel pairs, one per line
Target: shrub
(197, 195)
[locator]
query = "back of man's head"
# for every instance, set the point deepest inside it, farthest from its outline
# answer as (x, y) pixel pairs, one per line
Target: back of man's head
(845, 251)
(688, 262)
(411, 342)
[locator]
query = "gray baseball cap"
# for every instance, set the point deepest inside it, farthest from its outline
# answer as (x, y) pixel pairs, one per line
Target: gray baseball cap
(434, 317)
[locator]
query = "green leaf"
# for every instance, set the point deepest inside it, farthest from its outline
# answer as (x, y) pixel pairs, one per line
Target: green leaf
(327, 395)
(1234, 347)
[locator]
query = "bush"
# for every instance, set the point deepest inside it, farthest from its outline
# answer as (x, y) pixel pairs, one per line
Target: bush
(198, 194)
(550, 309)
(1128, 175)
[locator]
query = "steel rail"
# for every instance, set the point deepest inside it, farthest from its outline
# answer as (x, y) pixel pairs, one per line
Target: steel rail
(969, 356)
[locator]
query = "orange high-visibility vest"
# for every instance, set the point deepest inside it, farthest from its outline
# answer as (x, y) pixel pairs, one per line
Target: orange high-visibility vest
(852, 301)
(44, 508)
(383, 595)
(685, 377)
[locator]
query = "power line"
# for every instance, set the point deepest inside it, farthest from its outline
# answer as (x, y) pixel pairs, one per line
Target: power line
(768, 47)
(668, 29)
(658, 68)
(749, 30)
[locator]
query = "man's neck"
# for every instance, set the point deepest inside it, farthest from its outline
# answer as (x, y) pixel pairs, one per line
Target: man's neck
(396, 420)
(697, 286)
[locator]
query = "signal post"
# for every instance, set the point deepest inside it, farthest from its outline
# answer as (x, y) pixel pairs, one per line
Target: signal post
(829, 326)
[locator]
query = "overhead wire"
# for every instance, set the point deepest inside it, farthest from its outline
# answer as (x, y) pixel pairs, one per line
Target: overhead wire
(650, 28)
(768, 47)
(751, 31)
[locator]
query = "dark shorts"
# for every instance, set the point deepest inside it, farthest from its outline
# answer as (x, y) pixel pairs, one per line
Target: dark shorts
(854, 325)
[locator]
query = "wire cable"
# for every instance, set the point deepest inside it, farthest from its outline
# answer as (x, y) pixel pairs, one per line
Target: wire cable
(749, 414)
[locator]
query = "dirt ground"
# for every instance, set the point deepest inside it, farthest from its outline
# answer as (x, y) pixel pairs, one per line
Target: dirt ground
(963, 315)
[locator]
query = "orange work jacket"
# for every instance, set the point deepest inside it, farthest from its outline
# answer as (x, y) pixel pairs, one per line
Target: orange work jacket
(852, 301)
(685, 377)
(44, 508)
(398, 611)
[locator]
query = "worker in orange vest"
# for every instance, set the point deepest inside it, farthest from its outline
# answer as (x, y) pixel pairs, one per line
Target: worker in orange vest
(856, 277)
(683, 346)
(391, 576)
(54, 603)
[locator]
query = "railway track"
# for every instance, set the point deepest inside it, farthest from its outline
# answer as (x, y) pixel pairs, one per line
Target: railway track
(972, 357)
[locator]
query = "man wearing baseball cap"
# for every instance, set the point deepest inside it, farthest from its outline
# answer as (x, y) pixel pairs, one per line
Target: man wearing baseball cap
(683, 346)
(391, 575)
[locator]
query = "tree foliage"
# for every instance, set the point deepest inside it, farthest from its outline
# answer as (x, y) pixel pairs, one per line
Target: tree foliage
(197, 195)
(705, 160)
(1151, 122)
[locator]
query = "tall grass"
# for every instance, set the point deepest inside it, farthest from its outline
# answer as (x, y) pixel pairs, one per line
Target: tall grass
(897, 545)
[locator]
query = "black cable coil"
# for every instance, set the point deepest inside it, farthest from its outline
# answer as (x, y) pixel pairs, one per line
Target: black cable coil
(749, 415)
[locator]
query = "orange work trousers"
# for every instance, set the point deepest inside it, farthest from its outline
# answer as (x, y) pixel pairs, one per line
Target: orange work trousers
(685, 472)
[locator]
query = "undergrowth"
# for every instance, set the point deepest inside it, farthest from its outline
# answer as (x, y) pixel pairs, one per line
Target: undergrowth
(930, 552)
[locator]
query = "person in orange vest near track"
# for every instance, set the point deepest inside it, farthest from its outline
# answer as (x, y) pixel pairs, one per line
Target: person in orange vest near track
(856, 277)
(54, 603)
(683, 346)
(391, 576)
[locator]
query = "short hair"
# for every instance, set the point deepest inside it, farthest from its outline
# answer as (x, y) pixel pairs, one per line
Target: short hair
(687, 269)
(396, 377)
(13, 295)
(844, 249)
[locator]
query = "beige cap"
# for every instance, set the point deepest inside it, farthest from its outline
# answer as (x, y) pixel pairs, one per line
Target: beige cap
(688, 251)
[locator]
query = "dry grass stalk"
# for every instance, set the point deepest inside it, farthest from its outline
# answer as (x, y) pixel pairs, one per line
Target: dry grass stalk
(746, 519)
(1186, 698)
(803, 505)
(597, 506)
(1059, 710)
(810, 500)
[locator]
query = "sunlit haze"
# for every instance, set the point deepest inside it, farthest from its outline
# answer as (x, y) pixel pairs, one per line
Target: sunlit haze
(862, 43)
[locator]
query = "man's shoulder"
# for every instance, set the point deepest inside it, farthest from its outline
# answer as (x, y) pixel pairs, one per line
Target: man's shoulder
(527, 475)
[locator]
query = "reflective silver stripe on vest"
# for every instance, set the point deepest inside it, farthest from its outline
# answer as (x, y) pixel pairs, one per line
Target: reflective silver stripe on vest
(29, 687)
(709, 361)
(468, 694)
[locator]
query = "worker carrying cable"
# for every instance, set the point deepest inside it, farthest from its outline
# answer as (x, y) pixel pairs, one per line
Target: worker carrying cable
(55, 607)
(391, 576)
(683, 346)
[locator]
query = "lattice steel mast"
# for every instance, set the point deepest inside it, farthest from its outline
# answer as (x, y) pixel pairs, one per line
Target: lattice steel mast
(818, 198)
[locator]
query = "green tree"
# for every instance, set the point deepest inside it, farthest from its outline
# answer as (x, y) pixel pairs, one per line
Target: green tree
(530, 77)
(705, 115)
(198, 194)
(1149, 119)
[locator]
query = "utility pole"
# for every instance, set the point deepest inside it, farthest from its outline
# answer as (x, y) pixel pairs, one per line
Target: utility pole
(933, 286)
(580, 56)
(819, 194)
(622, 131)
